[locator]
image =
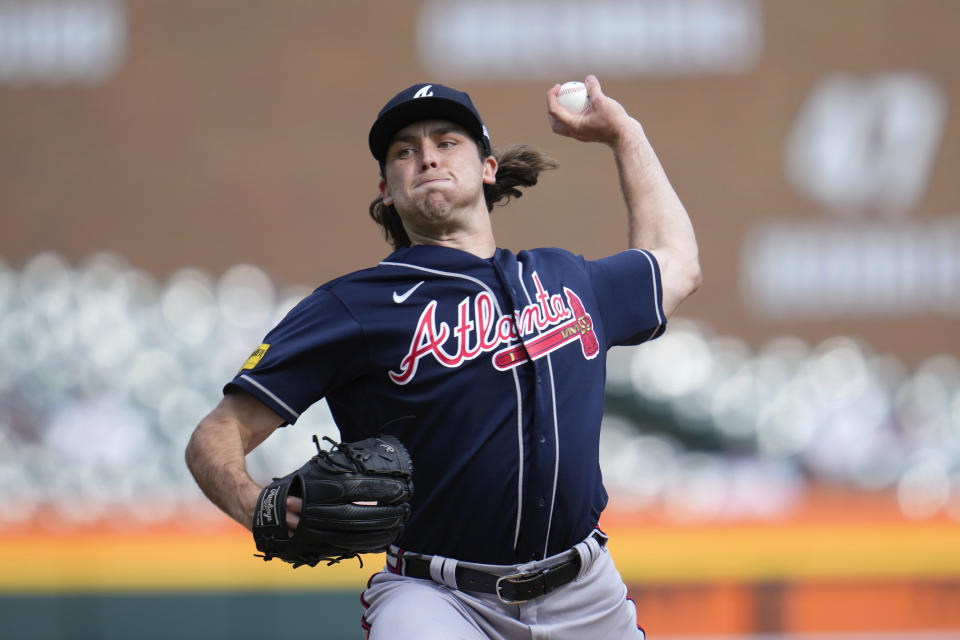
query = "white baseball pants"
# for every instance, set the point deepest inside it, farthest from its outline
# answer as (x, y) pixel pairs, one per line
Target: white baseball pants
(594, 605)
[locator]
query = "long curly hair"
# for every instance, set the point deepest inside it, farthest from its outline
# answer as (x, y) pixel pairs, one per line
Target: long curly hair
(517, 166)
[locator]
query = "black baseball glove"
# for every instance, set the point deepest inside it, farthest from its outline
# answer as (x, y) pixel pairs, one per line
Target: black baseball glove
(355, 500)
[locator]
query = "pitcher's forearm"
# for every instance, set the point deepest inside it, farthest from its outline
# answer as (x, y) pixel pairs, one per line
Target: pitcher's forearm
(216, 458)
(657, 218)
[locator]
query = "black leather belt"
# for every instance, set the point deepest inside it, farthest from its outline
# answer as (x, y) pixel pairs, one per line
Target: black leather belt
(510, 589)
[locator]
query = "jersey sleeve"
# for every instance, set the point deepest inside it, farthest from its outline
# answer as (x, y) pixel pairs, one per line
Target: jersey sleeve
(628, 289)
(317, 346)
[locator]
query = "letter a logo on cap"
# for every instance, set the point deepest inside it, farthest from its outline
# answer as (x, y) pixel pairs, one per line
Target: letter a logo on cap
(424, 92)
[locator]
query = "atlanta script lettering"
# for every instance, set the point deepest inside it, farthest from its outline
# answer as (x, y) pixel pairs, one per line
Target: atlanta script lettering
(480, 331)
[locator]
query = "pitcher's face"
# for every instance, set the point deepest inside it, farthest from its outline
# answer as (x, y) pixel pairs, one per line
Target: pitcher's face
(432, 171)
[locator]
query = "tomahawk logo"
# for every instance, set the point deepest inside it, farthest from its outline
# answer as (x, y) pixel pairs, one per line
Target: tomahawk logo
(579, 327)
(424, 91)
(540, 328)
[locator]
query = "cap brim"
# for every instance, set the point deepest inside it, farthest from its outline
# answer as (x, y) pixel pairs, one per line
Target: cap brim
(411, 111)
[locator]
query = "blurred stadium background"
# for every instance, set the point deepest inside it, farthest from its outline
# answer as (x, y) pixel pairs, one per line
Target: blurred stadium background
(783, 463)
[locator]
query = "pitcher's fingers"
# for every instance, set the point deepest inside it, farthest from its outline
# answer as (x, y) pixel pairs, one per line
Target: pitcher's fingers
(294, 507)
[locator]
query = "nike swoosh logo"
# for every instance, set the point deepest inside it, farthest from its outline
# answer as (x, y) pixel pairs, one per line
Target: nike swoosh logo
(398, 298)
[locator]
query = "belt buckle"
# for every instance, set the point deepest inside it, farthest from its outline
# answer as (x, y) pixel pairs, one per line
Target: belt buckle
(518, 578)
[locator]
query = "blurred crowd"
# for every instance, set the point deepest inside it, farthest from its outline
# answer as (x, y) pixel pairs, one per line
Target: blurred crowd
(104, 372)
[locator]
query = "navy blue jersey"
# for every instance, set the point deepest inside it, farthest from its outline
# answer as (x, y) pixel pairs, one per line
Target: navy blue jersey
(491, 372)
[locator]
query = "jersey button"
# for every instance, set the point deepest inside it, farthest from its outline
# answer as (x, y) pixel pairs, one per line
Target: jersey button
(542, 502)
(543, 438)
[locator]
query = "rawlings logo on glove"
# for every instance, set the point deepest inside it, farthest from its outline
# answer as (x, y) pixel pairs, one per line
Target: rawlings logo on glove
(355, 500)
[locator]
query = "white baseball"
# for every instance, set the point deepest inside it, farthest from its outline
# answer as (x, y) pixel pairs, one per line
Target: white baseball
(573, 97)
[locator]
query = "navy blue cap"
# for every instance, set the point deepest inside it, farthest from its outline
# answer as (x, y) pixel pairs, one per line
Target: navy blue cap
(426, 102)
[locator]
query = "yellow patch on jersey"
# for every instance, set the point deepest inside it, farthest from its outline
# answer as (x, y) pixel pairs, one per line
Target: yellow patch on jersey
(255, 357)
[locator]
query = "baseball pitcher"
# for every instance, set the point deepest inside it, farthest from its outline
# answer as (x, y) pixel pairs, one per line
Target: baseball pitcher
(467, 383)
